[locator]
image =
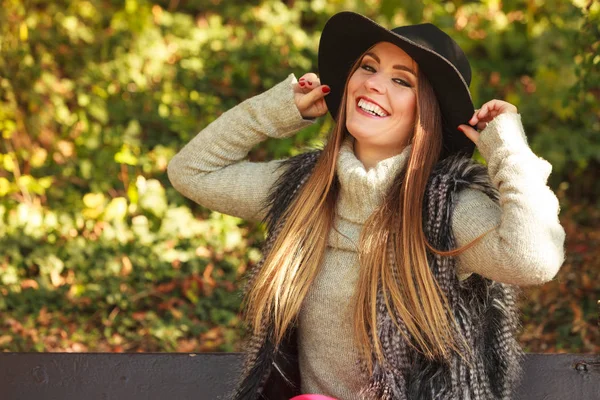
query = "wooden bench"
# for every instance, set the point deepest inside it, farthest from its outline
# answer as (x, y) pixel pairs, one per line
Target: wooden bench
(210, 376)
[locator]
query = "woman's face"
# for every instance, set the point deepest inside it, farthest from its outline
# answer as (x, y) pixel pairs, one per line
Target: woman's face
(382, 98)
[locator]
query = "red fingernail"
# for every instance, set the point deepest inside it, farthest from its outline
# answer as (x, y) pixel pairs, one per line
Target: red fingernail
(301, 83)
(325, 89)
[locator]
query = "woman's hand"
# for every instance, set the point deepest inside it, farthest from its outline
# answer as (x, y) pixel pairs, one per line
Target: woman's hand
(485, 115)
(309, 96)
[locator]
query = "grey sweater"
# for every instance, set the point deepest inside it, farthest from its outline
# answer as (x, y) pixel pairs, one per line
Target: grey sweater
(525, 247)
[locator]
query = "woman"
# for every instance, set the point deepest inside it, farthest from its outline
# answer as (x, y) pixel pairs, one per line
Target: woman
(389, 267)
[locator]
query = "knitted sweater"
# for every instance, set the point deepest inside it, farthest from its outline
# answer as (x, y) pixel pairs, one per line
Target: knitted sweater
(525, 246)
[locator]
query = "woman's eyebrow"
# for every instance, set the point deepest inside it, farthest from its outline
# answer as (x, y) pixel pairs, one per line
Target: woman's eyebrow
(399, 67)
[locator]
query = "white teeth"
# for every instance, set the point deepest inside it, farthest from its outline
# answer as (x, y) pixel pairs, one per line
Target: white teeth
(371, 108)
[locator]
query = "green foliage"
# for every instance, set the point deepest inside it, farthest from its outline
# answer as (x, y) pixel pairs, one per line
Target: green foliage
(98, 252)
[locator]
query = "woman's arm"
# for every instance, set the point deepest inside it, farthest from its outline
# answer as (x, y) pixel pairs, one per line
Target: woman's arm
(526, 244)
(210, 169)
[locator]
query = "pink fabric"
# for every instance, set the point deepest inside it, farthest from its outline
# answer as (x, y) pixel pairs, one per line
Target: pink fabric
(312, 397)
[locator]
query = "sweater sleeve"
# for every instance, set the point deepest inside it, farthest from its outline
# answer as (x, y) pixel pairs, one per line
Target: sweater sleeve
(211, 169)
(526, 244)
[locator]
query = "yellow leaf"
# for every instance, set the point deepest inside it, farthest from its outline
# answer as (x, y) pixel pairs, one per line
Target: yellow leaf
(5, 339)
(116, 209)
(4, 186)
(23, 32)
(93, 200)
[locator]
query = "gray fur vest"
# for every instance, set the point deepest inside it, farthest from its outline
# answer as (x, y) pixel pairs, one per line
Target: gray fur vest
(485, 311)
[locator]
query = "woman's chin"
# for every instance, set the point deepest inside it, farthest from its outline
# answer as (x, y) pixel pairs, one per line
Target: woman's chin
(366, 136)
(360, 131)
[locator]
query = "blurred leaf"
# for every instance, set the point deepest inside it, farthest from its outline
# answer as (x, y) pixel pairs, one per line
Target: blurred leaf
(100, 253)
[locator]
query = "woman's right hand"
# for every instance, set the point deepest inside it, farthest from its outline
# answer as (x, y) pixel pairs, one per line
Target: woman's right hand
(309, 96)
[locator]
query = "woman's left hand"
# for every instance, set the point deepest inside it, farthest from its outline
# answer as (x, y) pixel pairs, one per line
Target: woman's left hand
(485, 115)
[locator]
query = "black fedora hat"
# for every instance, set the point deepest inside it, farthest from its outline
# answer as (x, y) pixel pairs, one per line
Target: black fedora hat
(347, 35)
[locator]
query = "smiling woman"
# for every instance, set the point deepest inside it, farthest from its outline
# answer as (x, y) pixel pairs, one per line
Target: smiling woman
(389, 267)
(381, 103)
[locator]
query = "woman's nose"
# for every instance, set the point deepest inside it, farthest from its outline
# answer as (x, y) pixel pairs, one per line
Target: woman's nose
(375, 84)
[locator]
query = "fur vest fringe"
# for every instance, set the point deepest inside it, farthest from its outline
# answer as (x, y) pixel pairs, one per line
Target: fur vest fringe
(485, 310)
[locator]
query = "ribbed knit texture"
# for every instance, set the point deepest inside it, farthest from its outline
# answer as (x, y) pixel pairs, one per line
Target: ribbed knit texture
(525, 247)
(325, 344)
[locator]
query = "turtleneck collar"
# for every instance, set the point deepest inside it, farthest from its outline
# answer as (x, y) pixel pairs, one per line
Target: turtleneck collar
(361, 190)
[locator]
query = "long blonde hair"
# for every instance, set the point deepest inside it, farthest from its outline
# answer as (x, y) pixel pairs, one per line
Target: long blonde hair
(394, 230)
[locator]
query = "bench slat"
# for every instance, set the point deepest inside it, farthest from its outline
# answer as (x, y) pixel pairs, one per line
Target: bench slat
(210, 376)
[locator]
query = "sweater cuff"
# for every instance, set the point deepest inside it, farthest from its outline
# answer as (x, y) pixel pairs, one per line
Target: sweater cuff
(504, 131)
(279, 102)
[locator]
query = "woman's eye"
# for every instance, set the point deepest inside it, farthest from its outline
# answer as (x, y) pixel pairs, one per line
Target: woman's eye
(368, 68)
(399, 81)
(402, 82)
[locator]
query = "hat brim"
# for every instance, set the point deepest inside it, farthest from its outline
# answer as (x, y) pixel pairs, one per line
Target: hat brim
(347, 35)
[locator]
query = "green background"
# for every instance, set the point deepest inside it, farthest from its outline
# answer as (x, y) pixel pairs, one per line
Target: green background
(99, 253)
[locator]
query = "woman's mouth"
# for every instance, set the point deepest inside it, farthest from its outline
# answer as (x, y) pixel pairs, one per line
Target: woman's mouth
(370, 109)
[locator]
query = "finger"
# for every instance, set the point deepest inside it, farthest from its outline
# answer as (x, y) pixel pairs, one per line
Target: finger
(313, 96)
(311, 84)
(321, 107)
(482, 122)
(311, 79)
(505, 107)
(483, 112)
(306, 83)
(478, 114)
(303, 87)
(489, 111)
(473, 119)
(471, 133)
(309, 76)
(494, 107)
